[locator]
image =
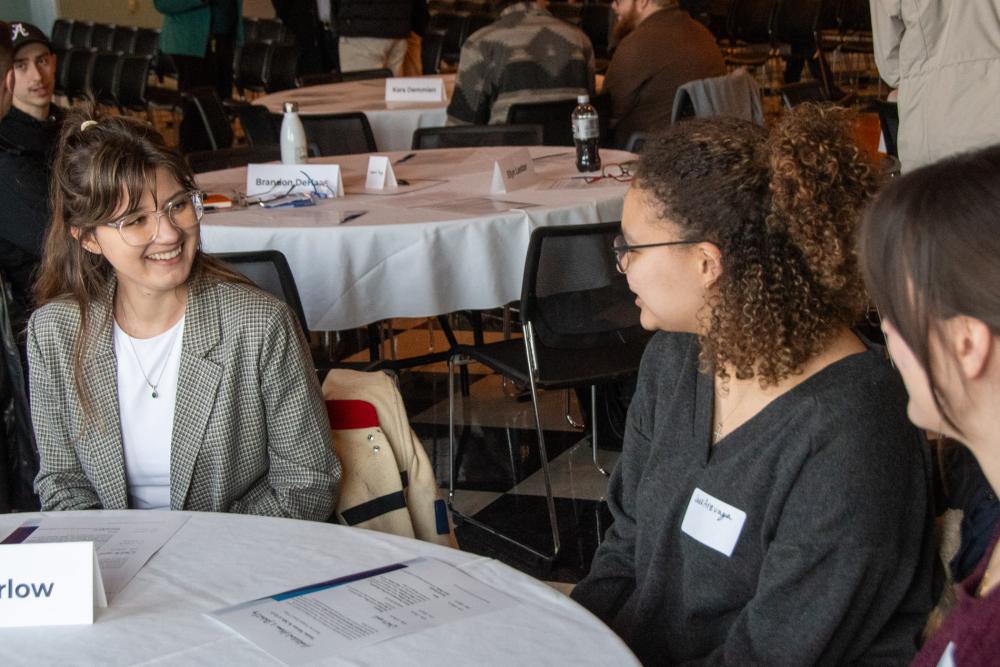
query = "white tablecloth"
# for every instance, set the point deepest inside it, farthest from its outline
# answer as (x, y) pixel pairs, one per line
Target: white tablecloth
(404, 258)
(216, 560)
(392, 125)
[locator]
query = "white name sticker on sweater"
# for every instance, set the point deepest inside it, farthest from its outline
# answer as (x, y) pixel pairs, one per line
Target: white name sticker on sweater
(713, 523)
(948, 657)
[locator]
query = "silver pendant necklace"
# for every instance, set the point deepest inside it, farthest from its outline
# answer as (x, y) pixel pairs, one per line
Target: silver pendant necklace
(166, 362)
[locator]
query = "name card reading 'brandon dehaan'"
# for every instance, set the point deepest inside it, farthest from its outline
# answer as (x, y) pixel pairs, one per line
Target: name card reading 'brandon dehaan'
(380, 173)
(415, 90)
(57, 583)
(282, 179)
(513, 172)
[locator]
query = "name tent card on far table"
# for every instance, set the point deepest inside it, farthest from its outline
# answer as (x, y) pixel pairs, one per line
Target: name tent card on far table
(513, 172)
(415, 89)
(281, 179)
(380, 173)
(58, 583)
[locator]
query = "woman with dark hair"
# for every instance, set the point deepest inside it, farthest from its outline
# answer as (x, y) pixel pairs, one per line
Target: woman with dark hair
(159, 377)
(771, 502)
(929, 250)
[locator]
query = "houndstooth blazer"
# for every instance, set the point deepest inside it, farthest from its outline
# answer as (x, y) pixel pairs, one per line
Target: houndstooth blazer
(250, 431)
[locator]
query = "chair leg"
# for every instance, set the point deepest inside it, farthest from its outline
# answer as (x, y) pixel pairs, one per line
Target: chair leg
(465, 518)
(593, 428)
(569, 418)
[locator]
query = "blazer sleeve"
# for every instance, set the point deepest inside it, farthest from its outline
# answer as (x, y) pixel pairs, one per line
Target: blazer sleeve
(887, 33)
(177, 6)
(61, 482)
(303, 470)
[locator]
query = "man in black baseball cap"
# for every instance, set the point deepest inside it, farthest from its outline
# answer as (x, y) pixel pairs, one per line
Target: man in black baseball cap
(29, 134)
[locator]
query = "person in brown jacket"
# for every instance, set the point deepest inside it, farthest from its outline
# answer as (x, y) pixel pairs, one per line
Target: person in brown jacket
(660, 48)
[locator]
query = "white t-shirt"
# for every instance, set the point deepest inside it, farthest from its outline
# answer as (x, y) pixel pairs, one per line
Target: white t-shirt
(147, 423)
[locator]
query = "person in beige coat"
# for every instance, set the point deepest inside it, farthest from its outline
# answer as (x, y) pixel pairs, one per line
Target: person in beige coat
(944, 58)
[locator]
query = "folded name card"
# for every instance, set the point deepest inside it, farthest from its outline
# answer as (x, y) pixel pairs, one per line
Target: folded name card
(281, 179)
(415, 90)
(513, 172)
(57, 583)
(380, 173)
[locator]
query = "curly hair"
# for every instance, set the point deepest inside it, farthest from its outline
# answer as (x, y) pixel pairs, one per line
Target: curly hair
(783, 208)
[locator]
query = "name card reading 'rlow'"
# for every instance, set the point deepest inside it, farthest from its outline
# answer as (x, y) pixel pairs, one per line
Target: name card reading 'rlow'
(58, 583)
(380, 173)
(282, 179)
(513, 172)
(415, 90)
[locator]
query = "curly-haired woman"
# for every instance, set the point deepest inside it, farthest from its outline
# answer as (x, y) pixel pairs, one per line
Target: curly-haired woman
(160, 378)
(771, 502)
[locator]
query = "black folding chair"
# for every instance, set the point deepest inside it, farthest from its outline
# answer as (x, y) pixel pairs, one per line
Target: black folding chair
(581, 329)
(123, 39)
(794, 94)
(461, 136)
(205, 125)
(147, 42)
(61, 31)
(281, 68)
(269, 270)
(130, 89)
(338, 134)
(365, 74)
(320, 79)
(260, 126)
(102, 37)
(455, 28)
(79, 34)
(430, 51)
(79, 64)
(636, 142)
(104, 77)
(270, 31)
(252, 67)
(228, 158)
(554, 116)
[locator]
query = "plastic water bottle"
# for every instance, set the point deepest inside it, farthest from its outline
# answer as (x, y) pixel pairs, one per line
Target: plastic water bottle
(293, 136)
(586, 134)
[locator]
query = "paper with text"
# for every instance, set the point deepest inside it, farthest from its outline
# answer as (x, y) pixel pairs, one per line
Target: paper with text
(340, 616)
(513, 172)
(380, 174)
(415, 89)
(285, 179)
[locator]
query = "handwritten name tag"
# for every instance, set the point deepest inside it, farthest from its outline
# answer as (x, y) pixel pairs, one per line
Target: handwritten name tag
(713, 523)
(280, 179)
(415, 90)
(57, 583)
(513, 172)
(380, 173)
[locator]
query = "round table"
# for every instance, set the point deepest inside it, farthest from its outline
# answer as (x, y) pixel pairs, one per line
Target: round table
(217, 560)
(406, 256)
(392, 123)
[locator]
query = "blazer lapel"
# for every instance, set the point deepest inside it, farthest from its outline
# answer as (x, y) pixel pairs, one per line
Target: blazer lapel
(197, 384)
(104, 445)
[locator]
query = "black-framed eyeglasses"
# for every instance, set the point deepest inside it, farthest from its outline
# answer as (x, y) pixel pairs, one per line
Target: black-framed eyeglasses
(619, 172)
(184, 211)
(622, 249)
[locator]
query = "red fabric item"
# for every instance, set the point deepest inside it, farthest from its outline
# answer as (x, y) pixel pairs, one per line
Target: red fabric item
(346, 414)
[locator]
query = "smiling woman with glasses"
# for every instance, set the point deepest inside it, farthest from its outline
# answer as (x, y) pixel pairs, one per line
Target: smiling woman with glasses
(771, 503)
(161, 379)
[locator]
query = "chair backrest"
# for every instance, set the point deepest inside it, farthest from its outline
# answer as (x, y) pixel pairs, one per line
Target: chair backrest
(734, 94)
(554, 117)
(228, 158)
(252, 70)
(260, 126)
(271, 31)
(147, 42)
(204, 110)
(269, 270)
(461, 136)
(338, 134)
(794, 94)
(79, 64)
(888, 116)
(636, 142)
(320, 78)
(249, 29)
(123, 39)
(572, 294)
(281, 69)
(454, 27)
(751, 21)
(104, 77)
(102, 36)
(430, 51)
(79, 34)
(364, 74)
(130, 90)
(796, 21)
(61, 30)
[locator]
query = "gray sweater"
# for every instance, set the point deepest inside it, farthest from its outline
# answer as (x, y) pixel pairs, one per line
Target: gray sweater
(834, 562)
